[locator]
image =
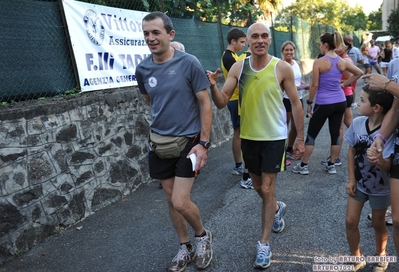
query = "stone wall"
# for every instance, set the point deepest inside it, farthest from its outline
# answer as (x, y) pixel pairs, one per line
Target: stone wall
(62, 159)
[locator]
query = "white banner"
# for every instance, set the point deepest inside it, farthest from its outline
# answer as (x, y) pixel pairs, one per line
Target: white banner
(108, 44)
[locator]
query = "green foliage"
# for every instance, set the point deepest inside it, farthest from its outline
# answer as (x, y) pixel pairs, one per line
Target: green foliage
(374, 21)
(335, 13)
(71, 92)
(393, 23)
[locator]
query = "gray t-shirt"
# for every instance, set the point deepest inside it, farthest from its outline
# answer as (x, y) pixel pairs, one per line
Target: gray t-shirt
(355, 55)
(393, 70)
(371, 180)
(172, 86)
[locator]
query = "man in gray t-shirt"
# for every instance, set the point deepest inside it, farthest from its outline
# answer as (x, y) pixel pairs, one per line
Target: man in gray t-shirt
(174, 84)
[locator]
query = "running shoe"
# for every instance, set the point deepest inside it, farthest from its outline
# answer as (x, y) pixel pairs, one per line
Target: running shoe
(381, 266)
(204, 251)
(290, 156)
(337, 162)
(247, 184)
(182, 258)
(238, 171)
(303, 170)
(330, 169)
(278, 222)
(287, 163)
(359, 265)
(263, 256)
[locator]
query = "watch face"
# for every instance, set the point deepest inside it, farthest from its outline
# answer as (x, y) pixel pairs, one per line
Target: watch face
(205, 144)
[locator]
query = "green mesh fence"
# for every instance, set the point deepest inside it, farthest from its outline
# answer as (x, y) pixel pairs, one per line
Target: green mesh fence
(37, 63)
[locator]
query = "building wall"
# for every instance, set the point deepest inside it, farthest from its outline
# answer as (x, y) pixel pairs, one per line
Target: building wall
(387, 7)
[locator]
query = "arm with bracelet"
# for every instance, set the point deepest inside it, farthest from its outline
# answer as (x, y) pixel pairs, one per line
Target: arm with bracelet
(379, 82)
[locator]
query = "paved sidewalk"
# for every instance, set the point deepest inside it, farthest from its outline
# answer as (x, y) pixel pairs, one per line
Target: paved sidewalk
(136, 234)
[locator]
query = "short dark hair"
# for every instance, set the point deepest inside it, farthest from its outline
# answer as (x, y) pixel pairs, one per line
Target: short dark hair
(382, 98)
(167, 22)
(235, 34)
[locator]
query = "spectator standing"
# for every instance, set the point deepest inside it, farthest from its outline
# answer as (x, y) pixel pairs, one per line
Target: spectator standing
(166, 78)
(288, 53)
(389, 125)
(386, 57)
(366, 61)
(356, 55)
(348, 91)
(236, 40)
(330, 102)
(374, 53)
(367, 181)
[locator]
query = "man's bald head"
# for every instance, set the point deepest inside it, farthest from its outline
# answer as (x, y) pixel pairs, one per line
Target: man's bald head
(258, 26)
(178, 46)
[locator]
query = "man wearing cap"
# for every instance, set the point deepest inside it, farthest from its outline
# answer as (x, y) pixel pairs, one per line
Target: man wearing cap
(357, 58)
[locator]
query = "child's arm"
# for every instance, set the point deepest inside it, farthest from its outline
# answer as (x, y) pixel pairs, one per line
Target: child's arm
(376, 158)
(351, 184)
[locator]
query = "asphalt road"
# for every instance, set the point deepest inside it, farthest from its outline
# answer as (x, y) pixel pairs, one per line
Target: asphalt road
(136, 233)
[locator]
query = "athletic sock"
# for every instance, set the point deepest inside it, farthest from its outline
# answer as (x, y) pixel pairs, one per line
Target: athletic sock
(245, 176)
(188, 245)
(303, 164)
(202, 234)
(238, 164)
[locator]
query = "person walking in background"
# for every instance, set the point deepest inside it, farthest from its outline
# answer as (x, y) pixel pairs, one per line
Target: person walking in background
(374, 53)
(357, 58)
(236, 40)
(166, 78)
(261, 78)
(368, 181)
(330, 102)
(288, 53)
(366, 61)
(386, 57)
(395, 50)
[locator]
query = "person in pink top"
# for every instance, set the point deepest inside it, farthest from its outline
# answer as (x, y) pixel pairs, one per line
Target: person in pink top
(374, 52)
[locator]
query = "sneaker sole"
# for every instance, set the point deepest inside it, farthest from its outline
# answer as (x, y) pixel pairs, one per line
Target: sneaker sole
(260, 266)
(246, 187)
(299, 172)
(235, 173)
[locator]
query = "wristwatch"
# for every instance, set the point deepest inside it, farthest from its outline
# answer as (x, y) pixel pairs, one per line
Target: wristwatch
(205, 144)
(309, 102)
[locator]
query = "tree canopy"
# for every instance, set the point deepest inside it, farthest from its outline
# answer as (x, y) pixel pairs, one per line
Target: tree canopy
(335, 13)
(393, 23)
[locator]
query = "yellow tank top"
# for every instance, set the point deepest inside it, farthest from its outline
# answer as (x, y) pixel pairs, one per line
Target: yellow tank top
(263, 115)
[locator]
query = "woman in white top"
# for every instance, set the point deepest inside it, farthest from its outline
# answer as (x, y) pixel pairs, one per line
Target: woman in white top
(288, 53)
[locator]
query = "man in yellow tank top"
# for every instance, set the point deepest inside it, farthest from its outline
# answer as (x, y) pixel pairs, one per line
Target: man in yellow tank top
(261, 79)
